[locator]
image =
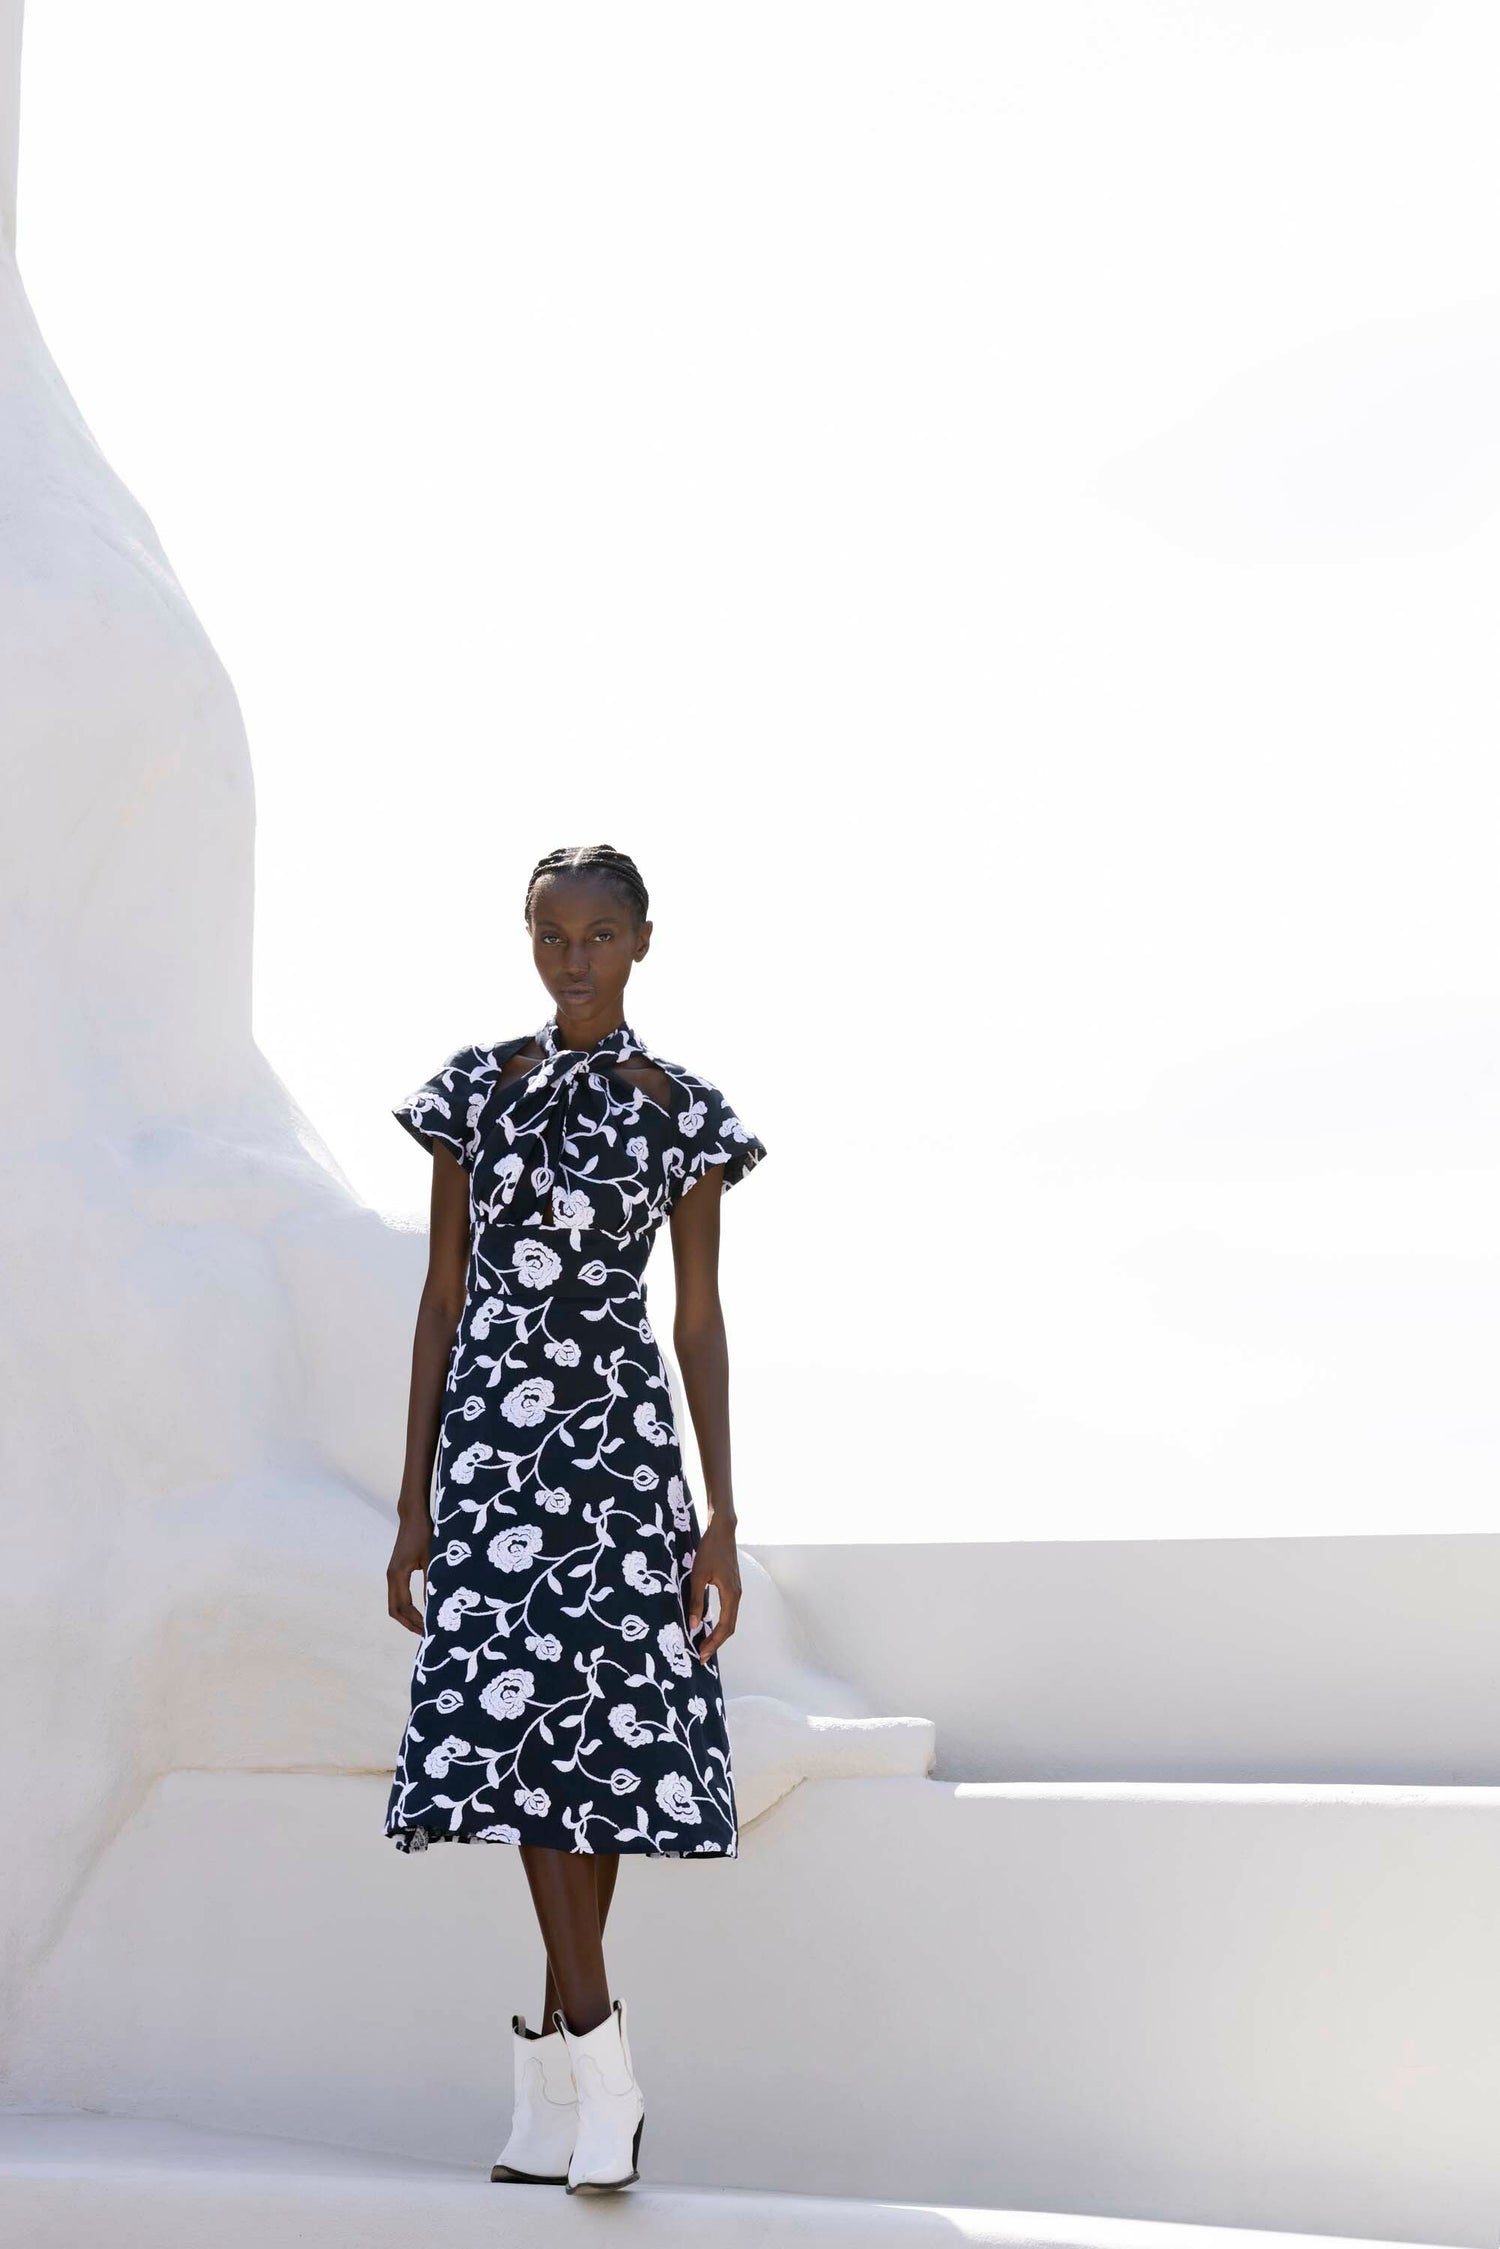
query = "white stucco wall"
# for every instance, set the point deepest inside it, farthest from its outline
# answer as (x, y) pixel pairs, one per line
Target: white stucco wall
(10, 114)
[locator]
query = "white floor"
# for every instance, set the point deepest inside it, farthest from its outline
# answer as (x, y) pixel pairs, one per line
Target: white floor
(75, 2182)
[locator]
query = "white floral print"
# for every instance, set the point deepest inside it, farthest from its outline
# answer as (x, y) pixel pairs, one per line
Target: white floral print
(556, 1697)
(438, 1760)
(674, 1647)
(623, 1721)
(654, 1431)
(537, 1265)
(571, 1208)
(428, 1103)
(674, 1793)
(512, 1550)
(508, 1175)
(462, 1471)
(507, 1696)
(527, 1404)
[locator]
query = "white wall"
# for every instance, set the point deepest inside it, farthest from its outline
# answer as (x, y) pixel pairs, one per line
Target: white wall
(996, 507)
(10, 114)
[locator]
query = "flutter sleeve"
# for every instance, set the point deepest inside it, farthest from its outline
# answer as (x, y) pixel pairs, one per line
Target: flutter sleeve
(709, 1133)
(444, 1109)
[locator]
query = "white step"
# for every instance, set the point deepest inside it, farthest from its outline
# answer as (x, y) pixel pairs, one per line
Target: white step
(1317, 1659)
(74, 2182)
(1240, 2006)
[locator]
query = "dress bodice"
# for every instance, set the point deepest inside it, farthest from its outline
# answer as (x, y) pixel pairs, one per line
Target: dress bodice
(570, 1147)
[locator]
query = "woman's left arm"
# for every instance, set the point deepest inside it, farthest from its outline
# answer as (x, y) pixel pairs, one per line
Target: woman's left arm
(702, 1353)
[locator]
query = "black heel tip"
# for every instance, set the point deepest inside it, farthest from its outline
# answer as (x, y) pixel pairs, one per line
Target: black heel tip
(613, 2186)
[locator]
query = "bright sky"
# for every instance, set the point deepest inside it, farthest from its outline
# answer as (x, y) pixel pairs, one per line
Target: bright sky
(994, 506)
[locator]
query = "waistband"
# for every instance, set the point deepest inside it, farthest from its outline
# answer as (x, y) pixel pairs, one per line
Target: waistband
(539, 1261)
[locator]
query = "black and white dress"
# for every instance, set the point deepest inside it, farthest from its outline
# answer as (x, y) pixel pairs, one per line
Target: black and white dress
(556, 1696)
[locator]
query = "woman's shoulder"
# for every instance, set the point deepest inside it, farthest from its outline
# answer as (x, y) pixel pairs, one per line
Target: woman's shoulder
(696, 1084)
(707, 1125)
(679, 1072)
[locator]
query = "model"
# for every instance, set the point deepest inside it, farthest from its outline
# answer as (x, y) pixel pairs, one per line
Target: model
(566, 1694)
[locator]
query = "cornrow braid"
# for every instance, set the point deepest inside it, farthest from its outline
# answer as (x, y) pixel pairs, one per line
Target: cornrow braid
(593, 859)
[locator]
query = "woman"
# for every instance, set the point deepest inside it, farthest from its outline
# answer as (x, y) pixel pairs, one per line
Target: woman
(566, 1695)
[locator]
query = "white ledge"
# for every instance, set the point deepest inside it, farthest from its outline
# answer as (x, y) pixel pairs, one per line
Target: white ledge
(70, 2182)
(1326, 1793)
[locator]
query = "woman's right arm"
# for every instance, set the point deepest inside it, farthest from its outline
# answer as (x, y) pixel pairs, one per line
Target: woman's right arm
(438, 1315)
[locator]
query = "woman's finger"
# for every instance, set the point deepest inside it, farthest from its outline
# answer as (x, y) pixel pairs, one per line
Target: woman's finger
(728, 1610)
(399, 1601)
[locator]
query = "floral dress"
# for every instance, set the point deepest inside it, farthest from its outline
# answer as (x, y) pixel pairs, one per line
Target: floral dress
(556, 1696)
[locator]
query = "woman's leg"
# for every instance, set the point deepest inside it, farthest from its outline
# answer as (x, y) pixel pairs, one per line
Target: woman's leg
(571, 1891)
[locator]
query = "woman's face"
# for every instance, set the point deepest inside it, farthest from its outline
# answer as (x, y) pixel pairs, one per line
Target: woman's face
(585, 940)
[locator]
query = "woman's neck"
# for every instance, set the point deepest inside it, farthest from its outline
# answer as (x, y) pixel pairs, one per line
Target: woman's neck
(586, 1030)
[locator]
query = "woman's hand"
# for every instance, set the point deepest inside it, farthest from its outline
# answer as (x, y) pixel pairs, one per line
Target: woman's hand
(409, 1554)
(716, 1563)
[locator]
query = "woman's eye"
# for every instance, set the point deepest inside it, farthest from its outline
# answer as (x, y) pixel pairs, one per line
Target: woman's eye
(603, 936)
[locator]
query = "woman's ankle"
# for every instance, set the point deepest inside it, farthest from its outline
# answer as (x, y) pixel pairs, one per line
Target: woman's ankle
(585, 2020)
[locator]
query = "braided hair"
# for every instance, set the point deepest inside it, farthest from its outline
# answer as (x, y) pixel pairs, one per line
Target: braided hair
(600, 859)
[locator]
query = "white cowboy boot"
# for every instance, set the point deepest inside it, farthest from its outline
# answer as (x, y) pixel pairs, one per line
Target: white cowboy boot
(611, 2109)
(544, 2121)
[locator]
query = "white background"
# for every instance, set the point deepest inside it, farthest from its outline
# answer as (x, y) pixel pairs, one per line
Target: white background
(994, 507)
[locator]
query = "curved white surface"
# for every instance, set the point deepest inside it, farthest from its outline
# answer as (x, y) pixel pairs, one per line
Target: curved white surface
(70, 2181)
(202, 1441)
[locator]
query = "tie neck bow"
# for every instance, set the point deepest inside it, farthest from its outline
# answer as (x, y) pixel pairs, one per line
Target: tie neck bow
(570, 1060)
